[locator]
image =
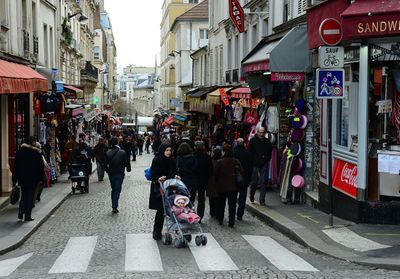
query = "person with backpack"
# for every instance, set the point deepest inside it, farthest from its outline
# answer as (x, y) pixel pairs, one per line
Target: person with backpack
(117, 161)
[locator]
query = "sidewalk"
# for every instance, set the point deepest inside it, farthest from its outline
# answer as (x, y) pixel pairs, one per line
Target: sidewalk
(372, 245)
(14, 232)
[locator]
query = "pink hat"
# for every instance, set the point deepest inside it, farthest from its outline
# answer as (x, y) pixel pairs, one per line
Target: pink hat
(298, 181)
(180, 197)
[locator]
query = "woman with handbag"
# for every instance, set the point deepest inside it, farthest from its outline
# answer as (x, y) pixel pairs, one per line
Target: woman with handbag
(162, 168)
(226, 184)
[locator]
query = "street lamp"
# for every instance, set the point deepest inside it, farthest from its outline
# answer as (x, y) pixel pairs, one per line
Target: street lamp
(173, 52)
(82, 19)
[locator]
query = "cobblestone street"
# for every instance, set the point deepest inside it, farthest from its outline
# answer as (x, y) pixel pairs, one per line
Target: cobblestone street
(90, 215)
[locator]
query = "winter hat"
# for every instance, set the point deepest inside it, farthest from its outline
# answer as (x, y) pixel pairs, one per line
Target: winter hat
(295, 149)
(297, 135)
(305, 122)
(300, 105)
(296, 122)
(180, 197)
(298, 181)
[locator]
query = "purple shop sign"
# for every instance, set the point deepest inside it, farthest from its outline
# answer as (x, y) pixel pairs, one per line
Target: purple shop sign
(287, 77)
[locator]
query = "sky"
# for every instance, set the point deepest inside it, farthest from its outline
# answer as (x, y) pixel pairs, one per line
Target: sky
(136, 27)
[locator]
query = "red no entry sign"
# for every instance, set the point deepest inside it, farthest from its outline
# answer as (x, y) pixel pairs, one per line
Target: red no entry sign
(330, 31)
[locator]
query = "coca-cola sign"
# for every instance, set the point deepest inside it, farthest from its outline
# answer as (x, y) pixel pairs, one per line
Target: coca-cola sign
(345, 177)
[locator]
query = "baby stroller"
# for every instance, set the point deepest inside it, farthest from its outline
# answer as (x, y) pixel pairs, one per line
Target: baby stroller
(78, 175)
(176, 230)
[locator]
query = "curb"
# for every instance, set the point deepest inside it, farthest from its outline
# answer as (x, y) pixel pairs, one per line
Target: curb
(302, 240)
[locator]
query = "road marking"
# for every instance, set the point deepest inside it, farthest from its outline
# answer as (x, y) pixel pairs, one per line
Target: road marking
(308, 217)
(383, 234)
(278, 255)
(76, 255)
(352, 240)
(211, 257)
(10, 265)
(142, 253)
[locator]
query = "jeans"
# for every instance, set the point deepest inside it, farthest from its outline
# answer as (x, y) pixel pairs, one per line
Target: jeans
(259, 173)
(116, 186)
(100, 171)
(241, 203)
(232, 199)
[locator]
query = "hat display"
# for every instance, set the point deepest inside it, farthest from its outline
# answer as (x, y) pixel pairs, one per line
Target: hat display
(296, 121)
(271, 137)
(297, 135)
(301, 105)
(305, 122)
(298, 181)
(295, 149)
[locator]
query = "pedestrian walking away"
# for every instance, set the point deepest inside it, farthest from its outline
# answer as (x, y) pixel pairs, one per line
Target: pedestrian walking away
(83, 155)
(204, 166)
(163, 167)
(117, 161)
(148, 142)
(245, 159)
(100, 151)
(140, 143)
(187, 168)
(211, 187)
(260, 149)
(28, 172)
(226, 187)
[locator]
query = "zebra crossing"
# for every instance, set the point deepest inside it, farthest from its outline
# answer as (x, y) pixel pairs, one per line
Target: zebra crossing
(142, 254)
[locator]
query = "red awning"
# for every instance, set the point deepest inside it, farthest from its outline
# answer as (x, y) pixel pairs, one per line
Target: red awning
(372, 18)
(73, 88)
(168, 121)
(17, 78)
(241, 93)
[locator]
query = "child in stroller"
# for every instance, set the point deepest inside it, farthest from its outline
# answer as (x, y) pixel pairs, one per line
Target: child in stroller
(182, 211)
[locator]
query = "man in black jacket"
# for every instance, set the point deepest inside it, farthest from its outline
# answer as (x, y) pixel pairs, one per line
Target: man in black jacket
(245, 160)
(28, 171)
(260, 149)
(116, 162)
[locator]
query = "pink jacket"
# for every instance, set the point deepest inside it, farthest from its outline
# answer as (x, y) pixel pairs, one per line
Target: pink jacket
(185, 214)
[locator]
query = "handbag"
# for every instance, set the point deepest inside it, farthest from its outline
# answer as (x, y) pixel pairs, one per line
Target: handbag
(15, 194)
(239, 179)
(147, 174)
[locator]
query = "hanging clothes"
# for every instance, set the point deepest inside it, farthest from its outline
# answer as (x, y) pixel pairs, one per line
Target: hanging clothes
(272, 119)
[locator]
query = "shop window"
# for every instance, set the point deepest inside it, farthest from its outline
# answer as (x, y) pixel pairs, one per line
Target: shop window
(346, 112)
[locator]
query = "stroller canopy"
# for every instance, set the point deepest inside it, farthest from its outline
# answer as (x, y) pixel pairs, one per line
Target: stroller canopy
(177, 185)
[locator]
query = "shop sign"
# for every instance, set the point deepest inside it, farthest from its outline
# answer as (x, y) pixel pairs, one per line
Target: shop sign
(287, 77)
(224, 96)
(345, 177)
(175, 102)
(384, 106)
(330, 31)
(331, 56)
(330, 83)
(77, 111)
(237, 14)
(255, 67)
(371, 26)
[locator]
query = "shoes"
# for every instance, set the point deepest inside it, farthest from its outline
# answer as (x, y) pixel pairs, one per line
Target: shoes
(156, 236)
(252, 198)
(231, 225)
(29, 219)
(101, 180)
(38, 199)
(115, 210)
(240, 218)
(20, 216)
(262, 203)
(221, 223)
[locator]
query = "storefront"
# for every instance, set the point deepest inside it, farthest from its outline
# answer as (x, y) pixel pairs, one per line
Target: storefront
(365, 123)
(16, 116)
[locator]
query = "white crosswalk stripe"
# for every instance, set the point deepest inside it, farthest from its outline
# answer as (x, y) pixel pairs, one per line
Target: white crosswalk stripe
(352, 240)
(278, 255)
(142, 253)
(211, 257)
(76, 255)
(10, 265)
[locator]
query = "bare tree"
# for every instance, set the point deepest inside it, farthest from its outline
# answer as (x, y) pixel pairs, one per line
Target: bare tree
(120, 106)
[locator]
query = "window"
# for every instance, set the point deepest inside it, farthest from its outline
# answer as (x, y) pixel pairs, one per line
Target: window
(96, 52)
(265, 27)
(191, 1)
(301, 6)
(229, 54)
(3, 13)
(254, 36)
(211, 67)
(237, 56)
(286, 10)
(215, 66)
(245, 43)
(203, 34)
(221, 64)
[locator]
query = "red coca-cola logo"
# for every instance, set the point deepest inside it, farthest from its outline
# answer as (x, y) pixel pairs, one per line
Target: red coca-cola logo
(349, 174)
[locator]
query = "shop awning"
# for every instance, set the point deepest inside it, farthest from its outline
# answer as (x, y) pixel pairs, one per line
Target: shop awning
(216, 93)
(371, 18)
(17, 78)
(259, 60)
(73, 92)
(168, 121)
(90, 116)
(73, 89)
(241, 93)
(291, 53)
(201, 92)
(58, 86)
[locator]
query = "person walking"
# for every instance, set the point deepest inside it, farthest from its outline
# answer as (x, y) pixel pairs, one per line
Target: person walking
(226, 188)
(187, 168)
(211, 187)
(163, 167)
(205, 168)
(245, 159)
(140, 143)
(260, 149)
(28, 172)
(117, 161)
(71, 145)
(100, 151)
(148, 143)
(83, 155)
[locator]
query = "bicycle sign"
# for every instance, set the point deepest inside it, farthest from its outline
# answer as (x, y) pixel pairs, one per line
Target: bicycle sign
(331, 56)
(330, 83)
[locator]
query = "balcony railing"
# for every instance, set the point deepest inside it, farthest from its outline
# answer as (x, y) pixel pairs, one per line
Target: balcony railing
(25, 35)
(90, 70)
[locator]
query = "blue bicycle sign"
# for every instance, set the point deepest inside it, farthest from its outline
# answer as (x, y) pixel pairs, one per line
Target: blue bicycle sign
(330, 83)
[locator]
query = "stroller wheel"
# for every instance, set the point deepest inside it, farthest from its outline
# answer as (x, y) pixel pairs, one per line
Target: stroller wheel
(204, 240)
(180, 243)
(188, 237)
(73, 190)
(197, 240)
(167, 239)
